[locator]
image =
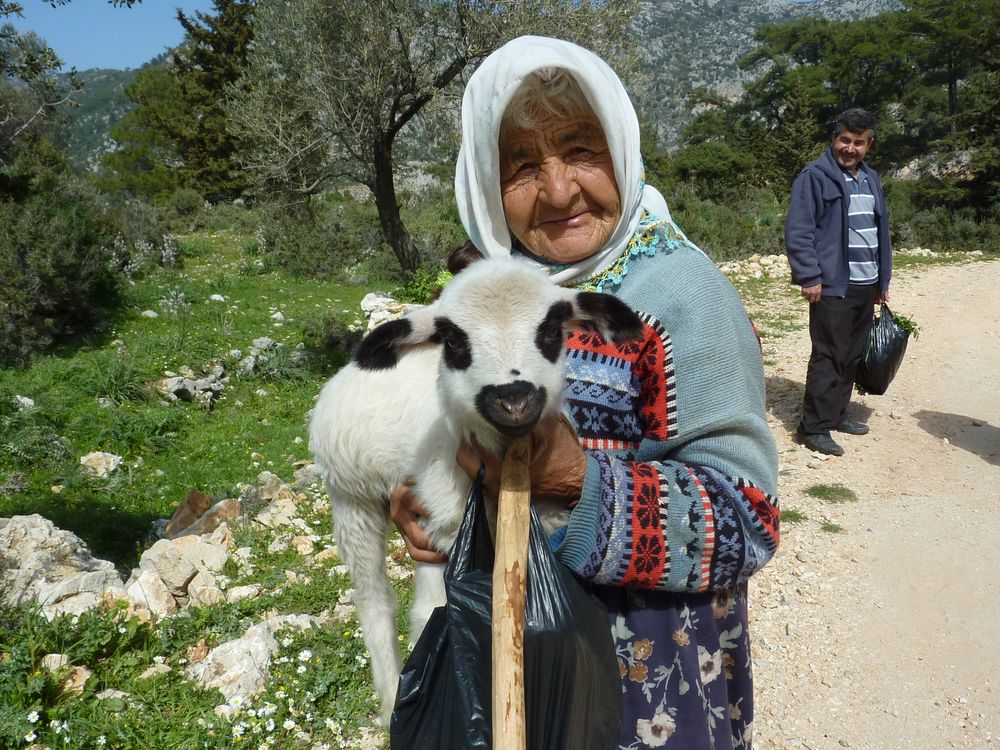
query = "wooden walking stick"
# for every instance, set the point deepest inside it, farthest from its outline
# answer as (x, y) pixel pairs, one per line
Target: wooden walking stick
(510, 575)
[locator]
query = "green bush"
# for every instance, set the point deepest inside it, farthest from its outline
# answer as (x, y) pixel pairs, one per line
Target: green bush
(322, 239)
(333, 337)
(752, 225)
(433, 221)
(56, 278)
(940, 215)
(715, 170)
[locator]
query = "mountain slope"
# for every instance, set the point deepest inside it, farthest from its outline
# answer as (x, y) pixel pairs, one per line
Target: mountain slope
(689, 43)
(683, 44)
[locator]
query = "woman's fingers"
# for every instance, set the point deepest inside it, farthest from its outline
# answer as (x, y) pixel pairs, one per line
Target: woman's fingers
(407, 513)
(558, 463)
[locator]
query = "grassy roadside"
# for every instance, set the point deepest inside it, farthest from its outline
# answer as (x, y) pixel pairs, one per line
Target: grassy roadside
(259, 422)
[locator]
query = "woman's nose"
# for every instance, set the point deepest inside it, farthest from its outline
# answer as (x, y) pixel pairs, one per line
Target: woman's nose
(557, 183)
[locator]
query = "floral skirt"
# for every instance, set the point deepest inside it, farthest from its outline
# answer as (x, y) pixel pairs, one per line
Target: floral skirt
(685, 667)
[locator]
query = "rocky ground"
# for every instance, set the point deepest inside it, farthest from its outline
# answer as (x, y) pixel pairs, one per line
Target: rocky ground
(876, 626)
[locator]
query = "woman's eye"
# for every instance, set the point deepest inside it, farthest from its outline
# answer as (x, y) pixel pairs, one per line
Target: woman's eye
(524, 169)
(579, 153)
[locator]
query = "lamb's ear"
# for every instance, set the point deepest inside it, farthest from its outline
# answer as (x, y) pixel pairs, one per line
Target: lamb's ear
(614, 319)
(381, 349)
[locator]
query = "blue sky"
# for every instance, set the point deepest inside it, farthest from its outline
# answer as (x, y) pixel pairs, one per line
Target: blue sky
(95, 34)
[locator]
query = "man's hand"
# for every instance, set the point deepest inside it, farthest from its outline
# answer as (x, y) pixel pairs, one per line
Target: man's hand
(882, 297)
(406, 512)
(813, 293)
(558, 463)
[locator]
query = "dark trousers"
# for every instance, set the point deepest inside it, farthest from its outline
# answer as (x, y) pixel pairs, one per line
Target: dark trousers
(839, 328)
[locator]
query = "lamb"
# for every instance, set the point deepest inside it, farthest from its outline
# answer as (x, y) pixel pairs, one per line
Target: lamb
(485, 360)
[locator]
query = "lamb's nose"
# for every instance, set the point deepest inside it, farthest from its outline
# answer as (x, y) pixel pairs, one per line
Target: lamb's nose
(516, 406)
(512, 408)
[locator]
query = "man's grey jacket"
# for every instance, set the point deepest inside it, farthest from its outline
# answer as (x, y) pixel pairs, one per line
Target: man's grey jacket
(816, 231)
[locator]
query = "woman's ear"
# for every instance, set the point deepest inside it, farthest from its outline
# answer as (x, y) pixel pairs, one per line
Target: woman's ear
(382, 348)
(615, 320)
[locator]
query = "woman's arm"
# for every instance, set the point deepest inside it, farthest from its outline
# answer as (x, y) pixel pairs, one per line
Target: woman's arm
(681, 479)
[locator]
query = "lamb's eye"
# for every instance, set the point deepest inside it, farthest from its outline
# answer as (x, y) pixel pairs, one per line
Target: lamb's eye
(552, 332)
(454, 343)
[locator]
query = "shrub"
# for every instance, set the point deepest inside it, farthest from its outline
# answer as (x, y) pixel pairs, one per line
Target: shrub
(730, 231)
(333, 337)
(423, 287)
(717, 171)
(322, 238)
(433, 221)
(116, 377)
(55, 273)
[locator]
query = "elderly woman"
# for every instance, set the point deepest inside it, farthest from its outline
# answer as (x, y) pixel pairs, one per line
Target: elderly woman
(671, 473)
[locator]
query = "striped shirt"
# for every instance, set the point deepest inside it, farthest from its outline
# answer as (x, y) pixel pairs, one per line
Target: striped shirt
(862, 244)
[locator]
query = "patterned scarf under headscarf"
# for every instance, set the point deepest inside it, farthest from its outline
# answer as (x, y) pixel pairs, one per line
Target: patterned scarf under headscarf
(477, 174)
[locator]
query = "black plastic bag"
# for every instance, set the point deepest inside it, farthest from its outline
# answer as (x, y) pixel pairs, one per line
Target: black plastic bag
(883, 354)
(572, 684)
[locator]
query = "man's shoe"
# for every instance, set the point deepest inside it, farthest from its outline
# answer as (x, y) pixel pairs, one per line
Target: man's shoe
(820, 442)
(852, 427)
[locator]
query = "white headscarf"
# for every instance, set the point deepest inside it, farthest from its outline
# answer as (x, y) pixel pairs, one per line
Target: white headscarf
(477, 174)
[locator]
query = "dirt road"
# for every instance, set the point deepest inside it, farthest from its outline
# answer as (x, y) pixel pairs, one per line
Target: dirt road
(885, 634)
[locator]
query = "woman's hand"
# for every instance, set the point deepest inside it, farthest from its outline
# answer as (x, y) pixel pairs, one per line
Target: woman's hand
(406, 512)
(558, 463)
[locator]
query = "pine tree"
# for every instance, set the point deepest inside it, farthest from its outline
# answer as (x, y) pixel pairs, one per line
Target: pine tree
(177, 135)
(211, 59)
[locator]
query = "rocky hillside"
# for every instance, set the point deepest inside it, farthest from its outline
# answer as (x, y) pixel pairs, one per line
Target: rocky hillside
(690, 43)
(101, 104)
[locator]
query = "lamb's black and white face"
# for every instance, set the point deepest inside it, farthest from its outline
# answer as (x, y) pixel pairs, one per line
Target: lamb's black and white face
(501, 324)
(503, 355)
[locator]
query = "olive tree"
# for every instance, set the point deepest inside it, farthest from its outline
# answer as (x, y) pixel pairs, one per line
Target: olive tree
(330, 85)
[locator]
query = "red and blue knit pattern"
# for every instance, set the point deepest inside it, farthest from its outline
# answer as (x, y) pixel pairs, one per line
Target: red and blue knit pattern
(664, 525)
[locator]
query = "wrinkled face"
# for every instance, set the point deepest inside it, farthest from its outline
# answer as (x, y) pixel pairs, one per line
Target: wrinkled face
(558, 186)
(849, 148)
(502, 357)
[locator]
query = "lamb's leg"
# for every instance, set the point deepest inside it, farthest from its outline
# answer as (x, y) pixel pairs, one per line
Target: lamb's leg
(360, 531)
(428, 581)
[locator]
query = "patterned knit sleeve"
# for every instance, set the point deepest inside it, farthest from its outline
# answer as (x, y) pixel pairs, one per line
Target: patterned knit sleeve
(679, 495)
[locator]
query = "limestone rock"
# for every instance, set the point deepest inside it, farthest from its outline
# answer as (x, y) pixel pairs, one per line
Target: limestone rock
(250, 591)
(273, 488)
(36, 557)
(201, 553)
(240, 667)
(101, 464)
(52, 663)
(192, 508)
(154, 670)
(75, 680)
(203, 590)
(304, 544)
(167, 561)
(306, 476)
(150, 591)
(225, 510)
(78, 593)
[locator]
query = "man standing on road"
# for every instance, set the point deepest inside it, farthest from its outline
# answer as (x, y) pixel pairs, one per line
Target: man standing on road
(837, 240)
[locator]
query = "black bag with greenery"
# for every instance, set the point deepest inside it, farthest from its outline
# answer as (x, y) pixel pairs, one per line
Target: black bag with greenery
(572, 684)
(883, 353)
